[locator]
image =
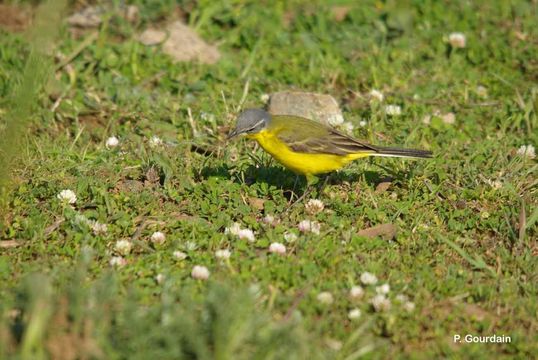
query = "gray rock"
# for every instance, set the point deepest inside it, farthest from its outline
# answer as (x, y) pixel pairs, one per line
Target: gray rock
(319, 107)
(181, 43)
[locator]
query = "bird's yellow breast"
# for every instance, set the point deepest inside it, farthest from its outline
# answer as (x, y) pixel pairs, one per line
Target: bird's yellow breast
(301, 163)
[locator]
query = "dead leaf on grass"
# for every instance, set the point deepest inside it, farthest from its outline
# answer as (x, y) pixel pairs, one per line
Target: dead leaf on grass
(256, 203)
(340, 12)
(129, 186)
(382, 187)
(6, 244)
(385, 231)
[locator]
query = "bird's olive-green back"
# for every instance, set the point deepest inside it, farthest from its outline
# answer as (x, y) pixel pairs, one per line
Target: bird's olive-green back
(308, 136)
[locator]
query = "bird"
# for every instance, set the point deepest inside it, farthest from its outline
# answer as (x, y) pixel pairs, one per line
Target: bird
(307, 147)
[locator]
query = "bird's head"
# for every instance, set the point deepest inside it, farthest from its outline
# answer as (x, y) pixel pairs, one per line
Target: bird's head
(251, 121)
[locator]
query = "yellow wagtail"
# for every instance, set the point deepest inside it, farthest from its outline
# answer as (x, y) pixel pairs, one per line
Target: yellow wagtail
(307, 147)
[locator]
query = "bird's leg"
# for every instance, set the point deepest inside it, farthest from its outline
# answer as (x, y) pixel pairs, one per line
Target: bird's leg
(325, 181)
(294, 187)
(310, 181)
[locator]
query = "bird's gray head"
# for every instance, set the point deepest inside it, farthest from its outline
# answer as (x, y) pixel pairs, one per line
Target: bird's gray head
(251, 121)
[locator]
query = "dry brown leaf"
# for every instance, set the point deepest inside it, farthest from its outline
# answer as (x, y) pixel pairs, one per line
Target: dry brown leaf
(382, 187)
(385, 231)
(340, 12)
(6, 244)
(129, 186)
(256, 203)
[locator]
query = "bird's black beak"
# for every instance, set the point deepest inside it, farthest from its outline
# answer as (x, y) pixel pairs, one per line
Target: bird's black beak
(234, 133)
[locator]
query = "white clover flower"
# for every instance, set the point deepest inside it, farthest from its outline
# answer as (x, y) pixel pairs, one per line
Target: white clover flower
(409, 306)
(356, 292)
(255, 290)
(427, 119)
(325, 298)
(304, 226)
(496, 184)
(190, 246)
(354, 314)
(67, 196)
(112, 142)
(155, 141)
(448, 118)
(334, 344)
(269, 219)
(179, 255)
(81, 220)
(158, 237)
(117, 261)
(380, 303)
(393, 110)
(482, 91)
(368, 278)
(457, 40)
(309, 226)
(233, 230)
(401, 298)
(264, 98)
(207, 116)
(362, 123)
(376, 95)
(383, 289)
(98, 228)
(200, 272)
(314, 206)
(223, 254)
(123, 247)
(290, 237)
(160, 278)
(277, 248)
(527, 151)
(335, 119)
(315, 227)
(246, 234)
(347, 127)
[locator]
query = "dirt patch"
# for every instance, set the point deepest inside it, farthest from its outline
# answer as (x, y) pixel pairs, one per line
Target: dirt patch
(15, 18)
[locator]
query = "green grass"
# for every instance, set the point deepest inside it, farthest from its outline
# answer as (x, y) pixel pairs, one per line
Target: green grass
(459, 253)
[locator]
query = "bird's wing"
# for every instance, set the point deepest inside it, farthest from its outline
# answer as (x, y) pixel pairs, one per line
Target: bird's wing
(307, 136)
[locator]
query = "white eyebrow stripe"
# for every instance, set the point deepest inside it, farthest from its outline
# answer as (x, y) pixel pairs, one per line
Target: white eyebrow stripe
(256, 125)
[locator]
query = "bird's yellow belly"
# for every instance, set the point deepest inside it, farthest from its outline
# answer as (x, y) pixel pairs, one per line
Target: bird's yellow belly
(302, 163)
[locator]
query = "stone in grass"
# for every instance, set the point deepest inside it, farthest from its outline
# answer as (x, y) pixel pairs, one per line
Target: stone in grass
(88, 17)
(92, 16)
(385, 231)
(181, 43)
(319, 107)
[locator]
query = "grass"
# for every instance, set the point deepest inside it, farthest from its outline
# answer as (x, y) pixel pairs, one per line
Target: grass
(461, 254)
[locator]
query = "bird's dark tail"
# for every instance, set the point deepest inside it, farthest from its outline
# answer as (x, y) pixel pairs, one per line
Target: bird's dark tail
(397, 152)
